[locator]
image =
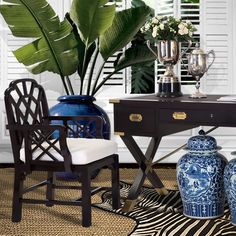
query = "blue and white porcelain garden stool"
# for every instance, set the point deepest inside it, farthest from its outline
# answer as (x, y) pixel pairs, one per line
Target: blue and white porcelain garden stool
(200, 178)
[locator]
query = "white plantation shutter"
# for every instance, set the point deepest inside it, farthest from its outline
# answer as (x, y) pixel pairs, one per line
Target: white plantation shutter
(15, 70)
(165, 7)
(116, 79)
(10, 68)
(189, 11)
(218, 36)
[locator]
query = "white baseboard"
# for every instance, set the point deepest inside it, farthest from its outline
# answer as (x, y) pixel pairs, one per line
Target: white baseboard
(126, 157)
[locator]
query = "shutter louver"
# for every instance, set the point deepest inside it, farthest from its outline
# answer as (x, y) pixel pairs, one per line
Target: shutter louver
(217, 37)
(189, 11)
(15, 70)
(165, 8)
(116, 79)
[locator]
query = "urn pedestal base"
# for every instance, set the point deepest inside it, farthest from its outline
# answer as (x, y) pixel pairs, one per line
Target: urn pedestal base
(169, 90)
(169, 85)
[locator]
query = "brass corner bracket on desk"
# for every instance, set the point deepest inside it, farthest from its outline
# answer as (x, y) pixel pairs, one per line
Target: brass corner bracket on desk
(114, 101)
(119, 133)
(162, 191)
(129, 205)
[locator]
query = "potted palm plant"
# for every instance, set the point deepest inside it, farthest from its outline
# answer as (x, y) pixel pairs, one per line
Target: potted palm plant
(92, 29)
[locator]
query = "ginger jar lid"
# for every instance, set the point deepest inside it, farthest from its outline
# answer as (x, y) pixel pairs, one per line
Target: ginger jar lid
(202, 143)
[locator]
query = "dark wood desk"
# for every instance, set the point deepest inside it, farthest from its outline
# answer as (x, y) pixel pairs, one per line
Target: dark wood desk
(157, 117)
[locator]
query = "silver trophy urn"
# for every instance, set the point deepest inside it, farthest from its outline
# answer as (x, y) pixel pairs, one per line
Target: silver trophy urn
(198, 65)
(168, 54)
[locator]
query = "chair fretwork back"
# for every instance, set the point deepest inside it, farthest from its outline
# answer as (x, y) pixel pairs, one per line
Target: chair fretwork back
(26, 104)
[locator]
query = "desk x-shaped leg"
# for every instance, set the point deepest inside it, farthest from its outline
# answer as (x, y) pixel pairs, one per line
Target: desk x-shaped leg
(145, 164)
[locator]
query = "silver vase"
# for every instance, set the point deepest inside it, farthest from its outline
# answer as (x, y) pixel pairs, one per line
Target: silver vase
(168, 54)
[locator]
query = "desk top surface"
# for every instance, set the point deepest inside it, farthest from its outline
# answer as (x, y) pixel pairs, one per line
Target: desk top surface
(184, 99)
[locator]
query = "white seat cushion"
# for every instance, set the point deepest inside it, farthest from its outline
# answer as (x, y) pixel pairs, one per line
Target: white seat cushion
(83, 150)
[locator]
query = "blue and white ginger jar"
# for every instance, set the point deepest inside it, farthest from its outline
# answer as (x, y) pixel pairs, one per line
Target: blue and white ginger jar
(230, 188)
(200, 178)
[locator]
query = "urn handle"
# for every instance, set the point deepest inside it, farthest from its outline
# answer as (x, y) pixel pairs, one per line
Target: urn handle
(184, 51)
(150, 48)
(213, 58)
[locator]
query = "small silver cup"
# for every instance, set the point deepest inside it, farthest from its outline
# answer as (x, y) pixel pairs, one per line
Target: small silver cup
(198, 65)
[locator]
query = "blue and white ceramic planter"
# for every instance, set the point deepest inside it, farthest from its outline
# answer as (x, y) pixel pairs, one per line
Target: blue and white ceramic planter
(230, 188)
(200, 179)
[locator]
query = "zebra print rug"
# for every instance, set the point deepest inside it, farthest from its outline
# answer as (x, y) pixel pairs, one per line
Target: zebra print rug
(157, 215)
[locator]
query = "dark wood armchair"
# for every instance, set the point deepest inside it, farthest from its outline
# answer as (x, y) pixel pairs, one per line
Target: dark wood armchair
(38, 145)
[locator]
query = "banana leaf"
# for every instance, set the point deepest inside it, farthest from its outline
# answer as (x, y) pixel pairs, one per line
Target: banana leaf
(83, 60)
(92, 18)
(143, 77)
(55, 48)
(134, 55)
(124, 27)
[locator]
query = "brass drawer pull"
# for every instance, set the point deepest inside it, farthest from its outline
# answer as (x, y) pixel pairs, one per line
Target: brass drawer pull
(135, 117)
(179, 115)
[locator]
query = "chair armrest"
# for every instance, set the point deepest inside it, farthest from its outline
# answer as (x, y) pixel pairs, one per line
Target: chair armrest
(39, 134)
(36, 127)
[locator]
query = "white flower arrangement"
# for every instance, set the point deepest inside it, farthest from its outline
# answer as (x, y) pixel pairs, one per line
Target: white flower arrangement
(168, 28)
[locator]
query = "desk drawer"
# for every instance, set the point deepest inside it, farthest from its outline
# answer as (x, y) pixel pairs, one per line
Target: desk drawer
(140, 120)
(212, 117)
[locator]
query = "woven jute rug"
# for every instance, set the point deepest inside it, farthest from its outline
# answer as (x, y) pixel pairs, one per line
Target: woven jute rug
(66, 220)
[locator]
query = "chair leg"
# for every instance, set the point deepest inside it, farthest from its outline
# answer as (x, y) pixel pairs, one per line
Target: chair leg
(115, 184)
(17, 196)
(50, 192)
(86, 197)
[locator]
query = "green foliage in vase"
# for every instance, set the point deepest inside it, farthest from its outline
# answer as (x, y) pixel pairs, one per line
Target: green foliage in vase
(90, 29)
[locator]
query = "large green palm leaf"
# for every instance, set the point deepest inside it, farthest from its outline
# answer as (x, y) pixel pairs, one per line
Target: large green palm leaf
(92, 18)
(124, 27)
(143, 78)
(55, 48)
(134, 55)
